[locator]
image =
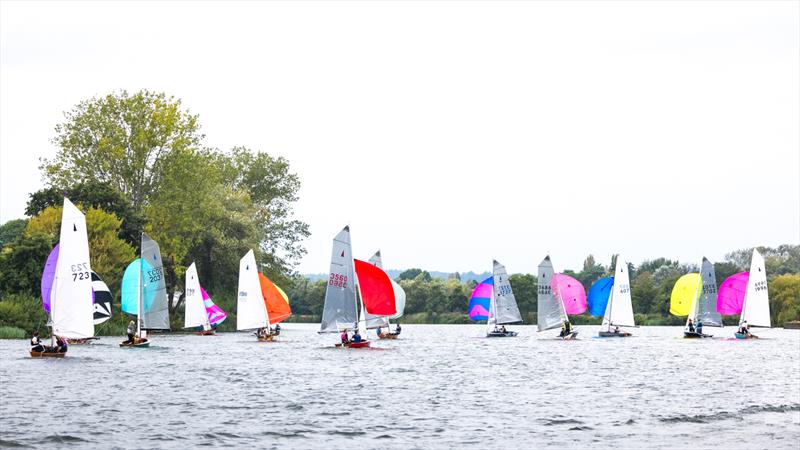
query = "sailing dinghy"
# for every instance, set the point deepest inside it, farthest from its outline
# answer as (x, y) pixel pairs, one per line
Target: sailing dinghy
(746, 293)
(200, 311)
(695, 296)
(101, 296)
(144, 293)
(557, 296)
(67, 298)
(619, 309)
(493, 301)
(380, 322)
(354, 286)
(261, 303)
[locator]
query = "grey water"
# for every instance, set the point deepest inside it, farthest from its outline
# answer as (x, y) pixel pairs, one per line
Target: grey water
(437, 386)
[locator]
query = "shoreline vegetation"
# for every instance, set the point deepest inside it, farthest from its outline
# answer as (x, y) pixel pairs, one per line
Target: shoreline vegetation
(210, 206)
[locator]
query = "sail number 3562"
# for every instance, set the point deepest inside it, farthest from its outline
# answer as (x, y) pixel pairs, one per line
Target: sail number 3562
(337, 280)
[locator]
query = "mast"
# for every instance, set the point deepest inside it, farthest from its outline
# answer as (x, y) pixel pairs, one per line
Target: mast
(140, 297)
(695, 304)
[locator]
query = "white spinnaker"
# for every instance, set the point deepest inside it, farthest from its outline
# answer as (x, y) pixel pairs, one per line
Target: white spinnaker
(619, 311)
(399, 300)
(195, 311)
(251, 312)
(72, 310)
(756, 301)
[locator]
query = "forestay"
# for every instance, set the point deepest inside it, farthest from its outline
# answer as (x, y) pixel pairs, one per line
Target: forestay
(340, 309)
(550, 314)
(507, 310)
(71, 309)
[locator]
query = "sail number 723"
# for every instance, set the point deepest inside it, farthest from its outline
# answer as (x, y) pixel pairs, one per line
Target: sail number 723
(80, 271)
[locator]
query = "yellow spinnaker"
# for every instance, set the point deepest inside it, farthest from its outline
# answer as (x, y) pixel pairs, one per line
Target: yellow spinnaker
(686, 290)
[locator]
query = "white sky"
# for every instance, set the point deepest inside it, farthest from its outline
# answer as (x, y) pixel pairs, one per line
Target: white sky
(448, 134)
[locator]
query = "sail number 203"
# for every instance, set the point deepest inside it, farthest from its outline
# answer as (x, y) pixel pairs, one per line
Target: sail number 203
(80, 271)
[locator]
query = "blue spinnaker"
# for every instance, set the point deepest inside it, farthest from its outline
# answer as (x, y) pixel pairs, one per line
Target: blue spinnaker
(599, 294)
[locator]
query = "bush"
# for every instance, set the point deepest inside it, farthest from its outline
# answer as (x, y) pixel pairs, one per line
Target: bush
(12, 333)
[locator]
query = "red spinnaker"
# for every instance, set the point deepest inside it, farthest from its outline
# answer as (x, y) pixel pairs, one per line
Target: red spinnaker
(376, 289)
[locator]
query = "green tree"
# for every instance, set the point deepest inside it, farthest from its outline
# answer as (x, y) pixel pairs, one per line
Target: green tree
(411, 274)
(644, 293)
(11, 231)
(124, 140)
(92, 193)
(784, 298)
(21, 264)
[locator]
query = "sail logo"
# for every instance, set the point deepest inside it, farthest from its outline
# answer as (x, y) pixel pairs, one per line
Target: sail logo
(337, 280)
(544, 289)
(761, 286)
(709, 288)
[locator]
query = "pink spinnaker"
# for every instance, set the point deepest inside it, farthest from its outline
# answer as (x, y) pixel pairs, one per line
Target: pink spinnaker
(215, 314)
(570, 291)
(730, 296)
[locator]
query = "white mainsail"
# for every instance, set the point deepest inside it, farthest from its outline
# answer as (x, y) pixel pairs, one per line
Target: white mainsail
(251, 311)
(71, 308)
(755, 310)
(505, 305)
(619, 310)
(341, 306)
(195, 311)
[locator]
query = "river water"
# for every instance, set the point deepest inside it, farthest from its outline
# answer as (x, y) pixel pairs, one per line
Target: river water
(438, 386)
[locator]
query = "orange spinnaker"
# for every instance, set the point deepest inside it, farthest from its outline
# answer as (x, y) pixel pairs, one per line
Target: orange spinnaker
(277, 306)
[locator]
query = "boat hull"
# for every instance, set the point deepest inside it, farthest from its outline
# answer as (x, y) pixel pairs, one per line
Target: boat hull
(207, 332)
(388, 336)
(141, 344)
(695, 335)
(572, 335)
(501, 334)
(745, 336)
(267, 338)
(608, 334)
(47, 354)
(362, 344)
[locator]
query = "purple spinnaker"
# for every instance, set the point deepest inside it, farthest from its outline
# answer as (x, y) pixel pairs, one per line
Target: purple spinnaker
(730, 296)
(48, 275)
(571, 292)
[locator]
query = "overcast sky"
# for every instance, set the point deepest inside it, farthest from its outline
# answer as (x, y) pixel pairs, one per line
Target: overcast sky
(449, 134)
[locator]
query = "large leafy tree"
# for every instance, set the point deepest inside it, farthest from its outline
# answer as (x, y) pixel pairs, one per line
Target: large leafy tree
(11, 230)
(122, 139)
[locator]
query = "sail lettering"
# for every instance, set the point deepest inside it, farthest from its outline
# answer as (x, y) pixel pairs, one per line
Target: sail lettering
(544, 289)
(624, 288)
(155, 275)
(337, 280)
(761, 286)
(709, 288)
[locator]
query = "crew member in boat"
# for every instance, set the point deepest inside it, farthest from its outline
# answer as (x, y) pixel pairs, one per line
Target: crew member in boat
(61, 345)
(616, 330)
(397, 330)
(36, 343)
(344, 337)
(503, 329)
(699, 327)
(566, 328)
(278, 328)
(356, 336)
(261, 332)
(378, 331)
(690, 325)
(744, 329)
(132, 332)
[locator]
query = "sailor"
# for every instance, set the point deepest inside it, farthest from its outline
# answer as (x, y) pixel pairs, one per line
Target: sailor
(616, 330)
(699, 327)
(344, 337)
(566, 328)
(131, 332)
(397, 330)
(691, 326)
(378, 331)
(36, 343)
(744, 329)
(277, 328)
(61, 345)
(503, 329)
(356, 336)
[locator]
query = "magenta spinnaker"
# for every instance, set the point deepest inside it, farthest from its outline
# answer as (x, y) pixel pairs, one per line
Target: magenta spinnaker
(730, 296)
(570, 291)
(48, 275)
